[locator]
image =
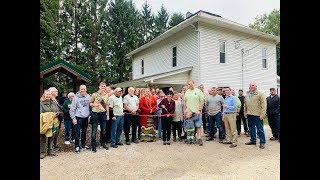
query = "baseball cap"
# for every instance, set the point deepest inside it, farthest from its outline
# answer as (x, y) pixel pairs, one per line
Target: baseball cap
(118, 89)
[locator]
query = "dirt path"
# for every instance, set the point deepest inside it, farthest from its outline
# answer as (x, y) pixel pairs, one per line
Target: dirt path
(177, 161)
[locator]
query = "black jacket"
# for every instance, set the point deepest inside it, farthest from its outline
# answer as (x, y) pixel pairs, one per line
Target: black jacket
(242, 103)
(273, 105)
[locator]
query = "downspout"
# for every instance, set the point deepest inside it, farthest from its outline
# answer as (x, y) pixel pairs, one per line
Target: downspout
(199, 50)
(196, 28)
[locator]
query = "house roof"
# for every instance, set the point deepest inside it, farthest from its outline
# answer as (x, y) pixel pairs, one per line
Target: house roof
(147, 79)
(66, 68)
(206, 17)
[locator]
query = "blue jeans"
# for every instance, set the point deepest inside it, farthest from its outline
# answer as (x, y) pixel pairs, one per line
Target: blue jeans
(67, 126)
(253, 122)
(213, 120)
(197, 119)
(116, 129)
(96, 118)
(82, 124)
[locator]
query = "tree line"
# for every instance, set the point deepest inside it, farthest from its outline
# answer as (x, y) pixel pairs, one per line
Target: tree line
(96, 35)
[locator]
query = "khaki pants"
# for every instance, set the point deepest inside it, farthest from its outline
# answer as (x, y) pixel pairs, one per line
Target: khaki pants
(45, 144)
(231, 127)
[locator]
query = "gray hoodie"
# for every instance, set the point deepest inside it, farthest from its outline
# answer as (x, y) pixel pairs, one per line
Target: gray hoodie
(80, 106)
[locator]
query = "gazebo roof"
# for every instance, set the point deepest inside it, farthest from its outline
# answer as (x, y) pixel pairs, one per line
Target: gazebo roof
(63, 66)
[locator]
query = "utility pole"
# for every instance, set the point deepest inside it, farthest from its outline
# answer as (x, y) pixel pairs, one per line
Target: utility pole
(242, 53)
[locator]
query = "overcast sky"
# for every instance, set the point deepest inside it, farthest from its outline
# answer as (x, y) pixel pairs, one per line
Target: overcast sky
(240, 11)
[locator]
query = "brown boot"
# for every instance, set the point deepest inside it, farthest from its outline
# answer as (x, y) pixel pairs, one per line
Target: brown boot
(42, 155)
(50, 153)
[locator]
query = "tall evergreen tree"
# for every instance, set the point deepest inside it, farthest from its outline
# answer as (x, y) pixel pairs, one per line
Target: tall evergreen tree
(269, 23)
(148, 23)
(66, 23)
(175, 19)
(91, 37)
(161, 21)
(50, 36)
(48, 30)
(124, 36)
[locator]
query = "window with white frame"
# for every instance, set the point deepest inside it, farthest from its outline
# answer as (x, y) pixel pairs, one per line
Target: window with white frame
(174, 56)
(264, 58)
(222, 52)
(142, 66)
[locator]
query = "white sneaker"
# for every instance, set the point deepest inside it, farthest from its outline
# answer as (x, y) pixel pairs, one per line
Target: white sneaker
(77, 150)
(67, 142)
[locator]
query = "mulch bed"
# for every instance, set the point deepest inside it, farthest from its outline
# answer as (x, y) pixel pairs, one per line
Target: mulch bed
(70, 147)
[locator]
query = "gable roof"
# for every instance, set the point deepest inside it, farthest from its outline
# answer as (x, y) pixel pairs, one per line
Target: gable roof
(68, 69)
(206, 17)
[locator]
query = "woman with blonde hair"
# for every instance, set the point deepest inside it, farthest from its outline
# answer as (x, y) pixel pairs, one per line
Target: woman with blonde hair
(47, 104)
(142, 92)
(148, 107)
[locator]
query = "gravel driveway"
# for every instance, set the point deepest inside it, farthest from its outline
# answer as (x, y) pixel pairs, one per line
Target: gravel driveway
(176, 161)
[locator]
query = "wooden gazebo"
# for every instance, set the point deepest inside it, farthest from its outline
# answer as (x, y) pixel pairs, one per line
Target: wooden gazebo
(79, 77)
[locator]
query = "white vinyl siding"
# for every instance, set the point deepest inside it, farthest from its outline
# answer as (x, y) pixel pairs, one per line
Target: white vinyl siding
(180, 78)
(214, 73)
(158, 58)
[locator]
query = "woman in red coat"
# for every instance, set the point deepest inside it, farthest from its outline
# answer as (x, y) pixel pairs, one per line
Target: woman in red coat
(148, 106)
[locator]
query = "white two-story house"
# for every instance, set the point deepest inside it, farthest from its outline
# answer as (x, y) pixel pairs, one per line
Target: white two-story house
(209, 49)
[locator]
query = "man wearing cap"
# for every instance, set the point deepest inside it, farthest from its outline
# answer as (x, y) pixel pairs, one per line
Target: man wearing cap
(273, 113)
(241, 117)
(115, 102)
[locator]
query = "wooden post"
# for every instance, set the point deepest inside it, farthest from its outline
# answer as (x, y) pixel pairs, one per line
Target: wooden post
(77, 83)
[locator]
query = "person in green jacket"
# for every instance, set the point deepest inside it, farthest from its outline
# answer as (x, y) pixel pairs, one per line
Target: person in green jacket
(47, 104)
(238, 101)
(67, 119)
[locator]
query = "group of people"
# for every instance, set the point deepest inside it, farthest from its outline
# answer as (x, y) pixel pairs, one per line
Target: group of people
(147, 114)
